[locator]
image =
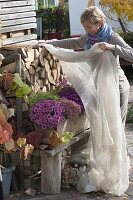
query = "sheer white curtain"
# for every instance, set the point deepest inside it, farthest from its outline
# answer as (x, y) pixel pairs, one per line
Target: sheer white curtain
(94, 75)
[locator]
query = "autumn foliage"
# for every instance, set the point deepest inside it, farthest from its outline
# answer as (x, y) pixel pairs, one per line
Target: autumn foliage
(120, 7)
(5, 129)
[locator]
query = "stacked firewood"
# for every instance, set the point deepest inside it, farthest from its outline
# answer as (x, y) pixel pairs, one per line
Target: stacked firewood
(39, 69)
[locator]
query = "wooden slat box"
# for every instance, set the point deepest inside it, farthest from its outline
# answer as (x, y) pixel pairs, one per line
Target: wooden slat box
(51, 160)
(18, 21)
(75, 126)
(51, 165)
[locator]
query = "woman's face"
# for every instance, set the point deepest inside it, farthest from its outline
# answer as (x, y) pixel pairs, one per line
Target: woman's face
(91, 28)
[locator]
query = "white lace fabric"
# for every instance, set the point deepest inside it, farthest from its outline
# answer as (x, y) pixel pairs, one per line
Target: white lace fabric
(94, 75)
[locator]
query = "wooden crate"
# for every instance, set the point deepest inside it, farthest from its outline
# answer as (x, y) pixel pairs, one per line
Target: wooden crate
(18, 21)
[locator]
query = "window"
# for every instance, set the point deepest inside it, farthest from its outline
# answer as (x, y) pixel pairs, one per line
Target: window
(51, 2)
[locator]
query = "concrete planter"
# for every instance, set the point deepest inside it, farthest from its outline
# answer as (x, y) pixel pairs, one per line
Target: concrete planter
(6, 181)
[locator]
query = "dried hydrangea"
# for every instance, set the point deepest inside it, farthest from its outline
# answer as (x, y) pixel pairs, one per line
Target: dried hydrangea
(71, 94)
(72, 109)
(69, 175)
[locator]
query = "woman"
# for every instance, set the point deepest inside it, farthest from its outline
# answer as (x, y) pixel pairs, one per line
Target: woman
(97, 30)
(106, 150)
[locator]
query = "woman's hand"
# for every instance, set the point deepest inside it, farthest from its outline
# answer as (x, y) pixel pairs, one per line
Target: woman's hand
(106, 46)
(40, 42)
(46, 41)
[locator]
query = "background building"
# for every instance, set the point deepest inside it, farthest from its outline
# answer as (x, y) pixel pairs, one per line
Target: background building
(76, 7)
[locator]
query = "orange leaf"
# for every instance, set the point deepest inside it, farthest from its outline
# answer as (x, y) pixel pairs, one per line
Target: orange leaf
(8, 128)
(2, 117)
(8, 79)
(5, 133)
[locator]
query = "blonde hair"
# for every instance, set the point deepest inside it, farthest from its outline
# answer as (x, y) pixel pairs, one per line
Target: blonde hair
(93, 14)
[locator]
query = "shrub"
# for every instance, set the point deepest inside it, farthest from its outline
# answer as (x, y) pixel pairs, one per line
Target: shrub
(128, 37)
(129, 118)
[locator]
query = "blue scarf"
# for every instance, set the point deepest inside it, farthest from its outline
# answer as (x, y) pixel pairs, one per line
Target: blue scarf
(103, 35)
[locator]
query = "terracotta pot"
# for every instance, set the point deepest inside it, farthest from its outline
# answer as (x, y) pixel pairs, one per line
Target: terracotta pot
(56, 35)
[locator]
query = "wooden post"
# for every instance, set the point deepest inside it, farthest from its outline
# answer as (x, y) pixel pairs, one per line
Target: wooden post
(19, 122)
(50, 173)
(39, 27)
(18, 100)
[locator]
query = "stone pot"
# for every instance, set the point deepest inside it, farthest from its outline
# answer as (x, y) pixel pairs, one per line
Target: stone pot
(6, 181)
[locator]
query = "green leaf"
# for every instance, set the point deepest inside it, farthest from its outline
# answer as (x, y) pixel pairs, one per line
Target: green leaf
(50, 95)
(66, 137)
(22, 91)
(13, 86)
(17, 79)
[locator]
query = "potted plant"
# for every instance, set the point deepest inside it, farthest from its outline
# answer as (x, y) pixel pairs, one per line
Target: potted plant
(50, 109)
(128, 37)
(6, 141)
(8, 83)
(55, 21)
(6, 145)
